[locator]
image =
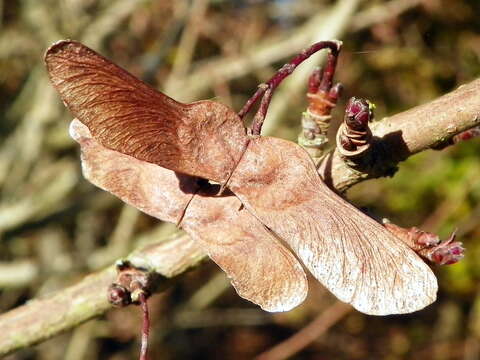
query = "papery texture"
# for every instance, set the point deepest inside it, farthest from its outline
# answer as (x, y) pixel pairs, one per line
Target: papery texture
(356, 258)
(129, 116)
(261, 269)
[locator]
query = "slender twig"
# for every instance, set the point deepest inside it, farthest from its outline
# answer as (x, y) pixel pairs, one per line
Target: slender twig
(252, 100)
(273, 49)
(266, 90)
(259, 117)
(327, 24)
(188, 42)
(145, 326)
(333, 27)
(308, 334)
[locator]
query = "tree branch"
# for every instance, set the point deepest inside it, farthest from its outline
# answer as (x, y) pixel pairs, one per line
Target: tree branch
(41, 319)
(396, 138)
(400, 136)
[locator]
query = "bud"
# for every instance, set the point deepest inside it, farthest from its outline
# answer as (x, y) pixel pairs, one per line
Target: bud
(357, 114)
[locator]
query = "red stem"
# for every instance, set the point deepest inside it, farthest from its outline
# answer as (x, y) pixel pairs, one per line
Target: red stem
(145, 326)
(253, 99)
(328, 72)
(281, 74)
(261, 113)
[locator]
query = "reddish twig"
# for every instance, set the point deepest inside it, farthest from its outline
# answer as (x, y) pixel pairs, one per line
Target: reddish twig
(145, 326)
(281, 74)
(133, 285)
(262, 112)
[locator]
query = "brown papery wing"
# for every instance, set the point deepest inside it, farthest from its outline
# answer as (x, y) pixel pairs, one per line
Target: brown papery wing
(261, 269)
(125, 114)
(356, 258)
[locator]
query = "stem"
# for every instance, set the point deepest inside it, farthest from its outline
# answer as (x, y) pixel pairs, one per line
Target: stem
(253, 99)
(328, 72)
(145, 326)
(281, 74)
(261, 113)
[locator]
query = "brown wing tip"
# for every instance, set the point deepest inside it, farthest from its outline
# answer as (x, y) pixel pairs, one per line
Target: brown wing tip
(60, 46)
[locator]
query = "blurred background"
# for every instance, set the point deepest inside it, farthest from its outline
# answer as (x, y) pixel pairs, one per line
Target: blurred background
(55, 227)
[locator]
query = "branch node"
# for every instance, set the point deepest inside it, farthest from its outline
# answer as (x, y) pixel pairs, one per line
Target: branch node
(265, 91)
(322, 98)
(354, 138)
(130, 285)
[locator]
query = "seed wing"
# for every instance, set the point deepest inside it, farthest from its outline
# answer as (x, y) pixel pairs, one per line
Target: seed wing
(126, 115)
(261, 269)
(356, 258)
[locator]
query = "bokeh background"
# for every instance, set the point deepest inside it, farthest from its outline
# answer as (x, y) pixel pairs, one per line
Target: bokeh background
(55, 227)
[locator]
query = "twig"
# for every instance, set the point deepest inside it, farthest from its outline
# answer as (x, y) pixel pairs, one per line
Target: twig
(397, 137)
(17, 274)
(266, 90)
(221, 69)
(320, 27)
(332, 27)
(41, 319)
(308, 334)
(145, 326)
(381, 13)
(188, 41)
(274, 49)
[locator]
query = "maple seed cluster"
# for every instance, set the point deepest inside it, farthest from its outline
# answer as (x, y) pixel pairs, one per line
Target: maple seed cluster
(274, 180)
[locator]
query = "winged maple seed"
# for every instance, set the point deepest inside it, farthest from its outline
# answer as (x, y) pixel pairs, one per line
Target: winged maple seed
(233, 238)
(135, 144)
